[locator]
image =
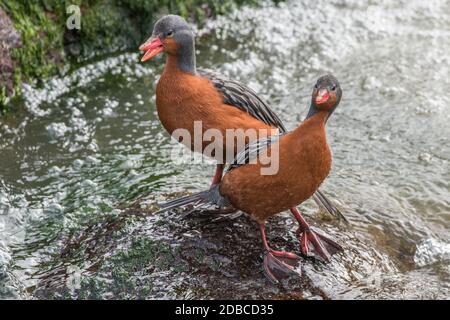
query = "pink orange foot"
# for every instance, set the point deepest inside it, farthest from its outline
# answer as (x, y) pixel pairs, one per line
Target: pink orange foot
(313, 243)
(277, 264)
(317, 245)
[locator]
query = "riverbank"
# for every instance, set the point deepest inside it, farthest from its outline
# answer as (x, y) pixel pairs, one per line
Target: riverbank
(35, 42)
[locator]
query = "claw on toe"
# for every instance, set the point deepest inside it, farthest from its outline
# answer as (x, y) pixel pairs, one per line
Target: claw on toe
(313, 243)
(317, 245)
(281, 265)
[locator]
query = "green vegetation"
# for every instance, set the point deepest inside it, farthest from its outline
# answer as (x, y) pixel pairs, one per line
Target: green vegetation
(128, 273)
(106, 26)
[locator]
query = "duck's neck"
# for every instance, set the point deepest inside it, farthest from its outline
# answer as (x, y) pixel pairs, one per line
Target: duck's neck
(183, 60)
(308, 143)
(312, 111)
(317, 117)
(313, 124)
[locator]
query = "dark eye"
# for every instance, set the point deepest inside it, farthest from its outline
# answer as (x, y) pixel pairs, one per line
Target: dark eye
(316, 86)
(333, 87)
(169, 33)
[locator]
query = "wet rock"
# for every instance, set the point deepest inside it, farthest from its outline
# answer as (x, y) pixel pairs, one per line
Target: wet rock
(186, 254)
(9, 39)
(172, 256)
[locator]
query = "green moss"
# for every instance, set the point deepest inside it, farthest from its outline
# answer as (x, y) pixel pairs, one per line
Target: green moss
(41, 37)
(125, 275)
(3, 98)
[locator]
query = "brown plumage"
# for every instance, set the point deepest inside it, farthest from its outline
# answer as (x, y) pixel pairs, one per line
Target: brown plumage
(304, 163)
(182, 98)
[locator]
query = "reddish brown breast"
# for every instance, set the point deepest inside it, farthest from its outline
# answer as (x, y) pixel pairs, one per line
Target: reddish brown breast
(304, 162)
(183, 98)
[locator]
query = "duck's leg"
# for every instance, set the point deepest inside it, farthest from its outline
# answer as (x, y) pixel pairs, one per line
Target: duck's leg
(312, 242)
(218, 175)
(277, 264)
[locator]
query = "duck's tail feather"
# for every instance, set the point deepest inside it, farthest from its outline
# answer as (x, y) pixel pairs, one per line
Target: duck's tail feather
(213, 197)
(324, 202)
(197, 200)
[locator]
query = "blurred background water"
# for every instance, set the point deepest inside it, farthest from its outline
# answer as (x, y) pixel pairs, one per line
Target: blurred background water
(89, 144)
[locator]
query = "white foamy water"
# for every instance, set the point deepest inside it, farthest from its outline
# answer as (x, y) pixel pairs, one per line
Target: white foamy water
(432, 251)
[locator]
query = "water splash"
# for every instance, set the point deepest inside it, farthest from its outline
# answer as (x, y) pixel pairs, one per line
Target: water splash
(431, 251)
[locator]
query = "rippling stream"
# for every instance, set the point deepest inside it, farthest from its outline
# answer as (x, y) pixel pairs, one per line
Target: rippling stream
(86, 160)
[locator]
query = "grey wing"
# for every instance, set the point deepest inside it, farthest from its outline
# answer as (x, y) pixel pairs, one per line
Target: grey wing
(240, 96)
(252, 151)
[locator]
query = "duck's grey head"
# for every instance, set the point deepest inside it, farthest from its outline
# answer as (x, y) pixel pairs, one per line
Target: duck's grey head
(172, 35)
(326, 95)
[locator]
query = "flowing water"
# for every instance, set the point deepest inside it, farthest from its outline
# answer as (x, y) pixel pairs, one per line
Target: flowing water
(84, 163)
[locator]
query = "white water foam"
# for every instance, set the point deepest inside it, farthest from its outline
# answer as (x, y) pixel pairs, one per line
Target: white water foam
(432, 251)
